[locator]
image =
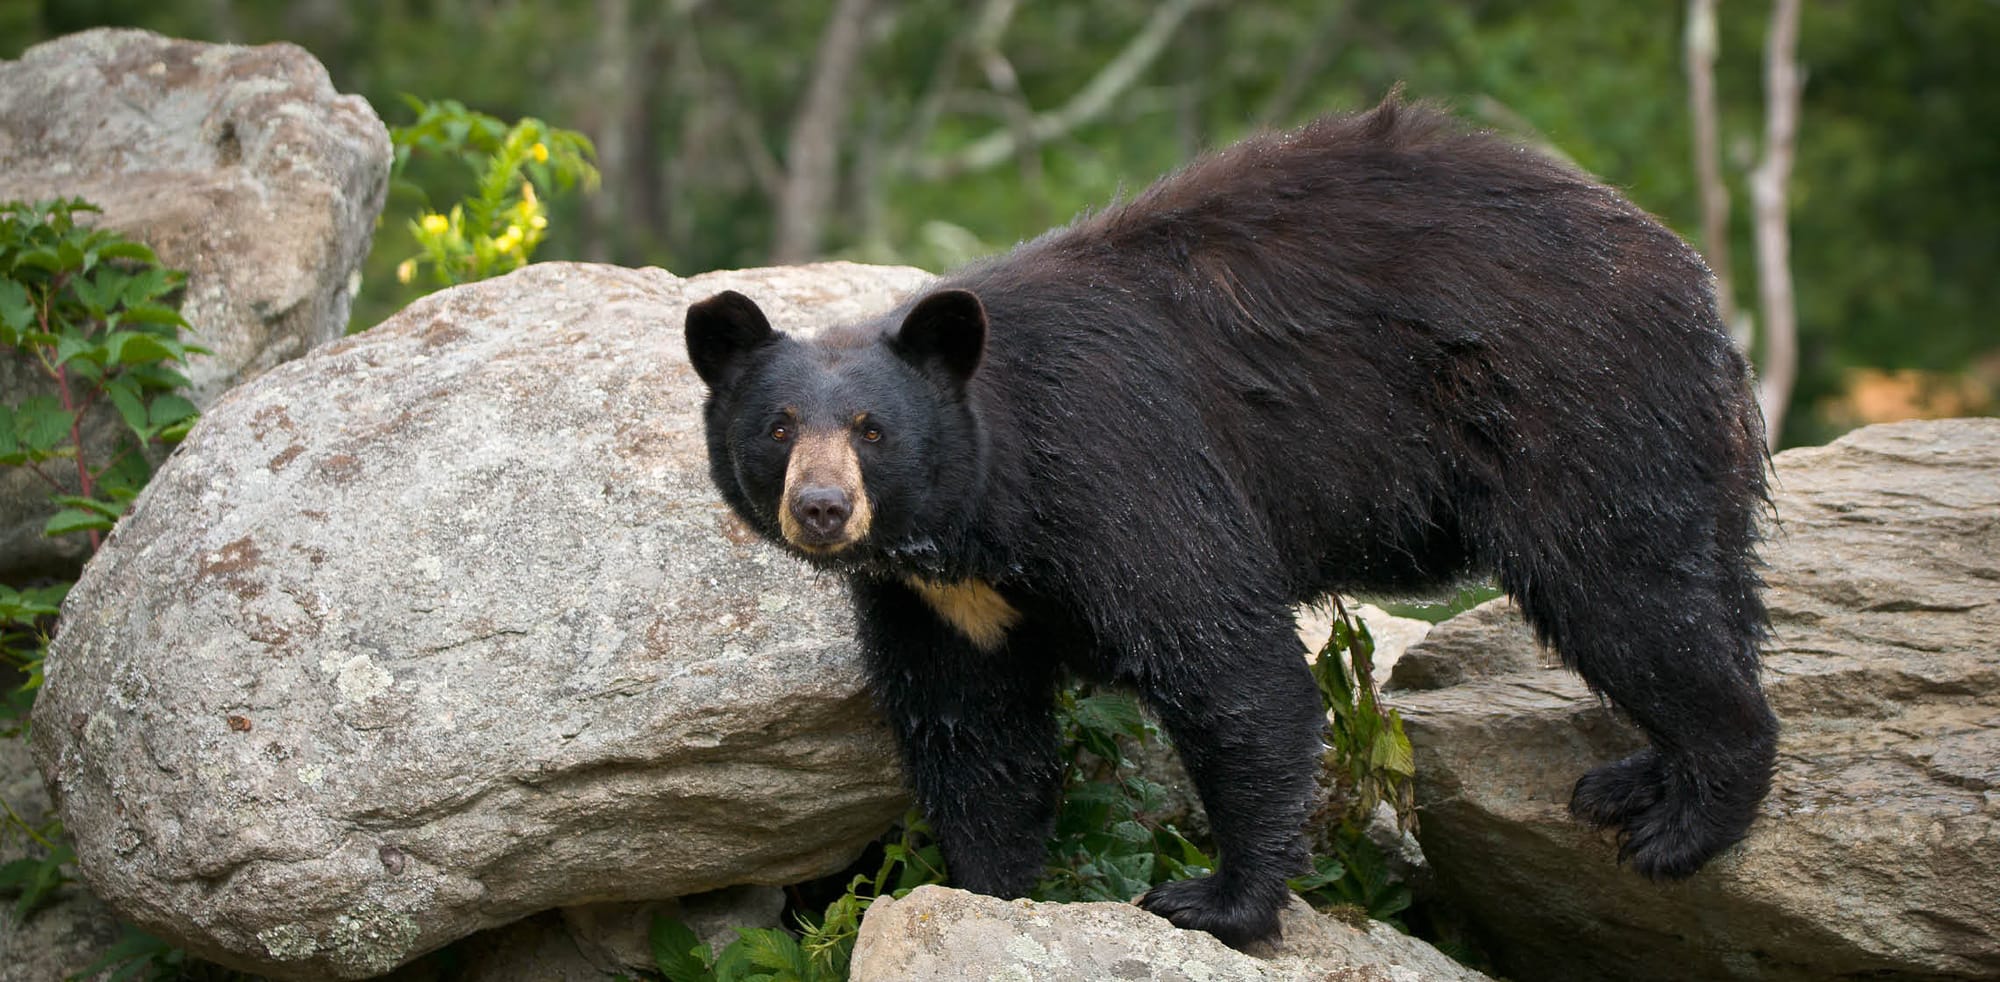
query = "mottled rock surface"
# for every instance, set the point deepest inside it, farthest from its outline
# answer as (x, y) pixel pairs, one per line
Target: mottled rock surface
(443, 625)
(240, 165)
(1878, 852)
(940, 933)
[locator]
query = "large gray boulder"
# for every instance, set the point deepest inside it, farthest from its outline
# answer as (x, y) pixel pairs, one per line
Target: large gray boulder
(240, 165)
(1878, 852)
(940, 933)
(443, 625)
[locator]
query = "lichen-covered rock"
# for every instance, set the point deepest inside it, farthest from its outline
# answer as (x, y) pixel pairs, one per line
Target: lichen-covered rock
(443, 625)
(940, 933)
(240, 165)
(1878, 852)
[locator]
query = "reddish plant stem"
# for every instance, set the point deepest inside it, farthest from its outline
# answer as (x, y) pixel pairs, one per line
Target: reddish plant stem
(61, 374)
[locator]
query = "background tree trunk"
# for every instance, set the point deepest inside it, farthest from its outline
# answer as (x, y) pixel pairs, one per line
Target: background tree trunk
(609, 116)
(812, 158)
(1699, 54)
(1768, 195)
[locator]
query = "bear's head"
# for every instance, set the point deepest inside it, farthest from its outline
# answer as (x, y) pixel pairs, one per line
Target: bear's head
(850, 448)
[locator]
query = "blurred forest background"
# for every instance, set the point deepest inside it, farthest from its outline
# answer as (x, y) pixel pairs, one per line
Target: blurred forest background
(931, 132)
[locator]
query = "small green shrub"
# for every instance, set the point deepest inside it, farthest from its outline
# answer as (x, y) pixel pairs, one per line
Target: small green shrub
(1109, 843)
(1368, 755)
(823, 948)
(501, 219)
(97, 314)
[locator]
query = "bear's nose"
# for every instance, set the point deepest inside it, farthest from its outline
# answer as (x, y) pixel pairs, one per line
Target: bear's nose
(823, 511)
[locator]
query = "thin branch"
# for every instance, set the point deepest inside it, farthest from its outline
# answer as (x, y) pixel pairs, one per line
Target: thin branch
(1699, 53)
(1086, 105)
(1768, 187)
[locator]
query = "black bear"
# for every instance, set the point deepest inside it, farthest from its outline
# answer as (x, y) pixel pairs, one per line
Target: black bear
(1378, 353)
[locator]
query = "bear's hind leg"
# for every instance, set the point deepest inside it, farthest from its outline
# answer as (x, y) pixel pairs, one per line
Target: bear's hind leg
(976, 730)
(1678, 655)
(1244, 713)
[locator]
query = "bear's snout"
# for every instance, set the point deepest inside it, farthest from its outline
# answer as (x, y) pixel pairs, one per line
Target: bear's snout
(822, 512)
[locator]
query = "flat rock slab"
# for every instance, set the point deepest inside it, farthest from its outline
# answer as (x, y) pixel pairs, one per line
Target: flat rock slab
(240, 165)
(443, 625)
(1878, 852)
(940, 933)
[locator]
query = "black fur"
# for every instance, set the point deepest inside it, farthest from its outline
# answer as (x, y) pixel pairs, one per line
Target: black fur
(1378, 353)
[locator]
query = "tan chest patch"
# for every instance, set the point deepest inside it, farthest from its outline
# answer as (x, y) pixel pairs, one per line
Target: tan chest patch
(976, 609)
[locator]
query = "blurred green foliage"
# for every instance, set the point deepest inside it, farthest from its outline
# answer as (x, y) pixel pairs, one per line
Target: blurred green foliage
(693, 103)
(498, 219)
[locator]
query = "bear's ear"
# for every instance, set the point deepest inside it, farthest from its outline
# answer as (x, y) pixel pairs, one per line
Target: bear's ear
(946, 330)
(720, 330)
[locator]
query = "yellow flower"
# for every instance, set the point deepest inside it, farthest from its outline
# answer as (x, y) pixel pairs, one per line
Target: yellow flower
(509, 240)
(436, 224)
(538, 222)
(528, 190)
(406, 271)
(540, 153)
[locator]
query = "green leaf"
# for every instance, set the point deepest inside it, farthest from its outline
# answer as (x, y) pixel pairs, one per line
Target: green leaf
(1326, 870)
(124, 394)
(138, 252)
(158, 376)
(1110, 712)
(1391, 750)
(138, 348)
(178, 431)
(98, 293)
(170, 409)
(152, 313)
(679, 955)
(44, 259)
(109, 509)
(75, 520)
(135, 952)
(41, 423)
(733, 965)
(70, 255)
(71, 346)
(17, 309)
(35, 879)
(776, 950)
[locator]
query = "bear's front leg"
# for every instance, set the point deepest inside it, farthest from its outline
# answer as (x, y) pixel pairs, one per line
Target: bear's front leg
(977, 732)
(1242, 709)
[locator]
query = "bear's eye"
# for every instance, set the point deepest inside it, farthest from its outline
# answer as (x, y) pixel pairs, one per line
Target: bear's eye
(781, 432)
(872, 434)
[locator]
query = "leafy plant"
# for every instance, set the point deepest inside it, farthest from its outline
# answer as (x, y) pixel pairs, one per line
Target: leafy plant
(95, 313)
(26, 619)
(823, 948)
(757, 955)
(33, 879)
(912, 861)
(138, 955)
(1108, 842)
(500, 222)
(1368, 756)
(1356, 876)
